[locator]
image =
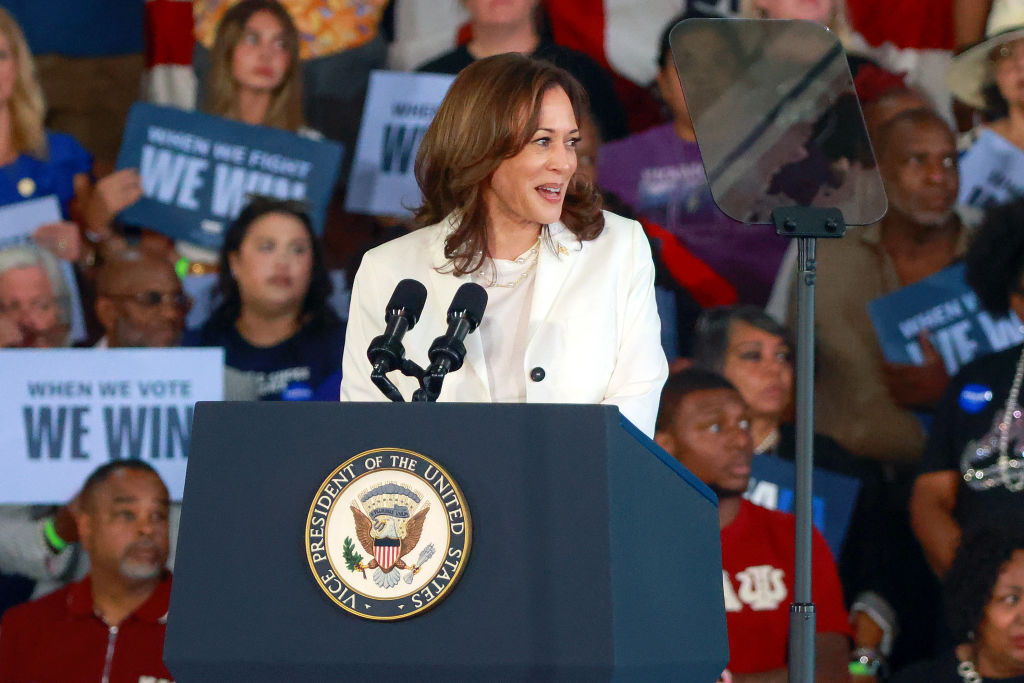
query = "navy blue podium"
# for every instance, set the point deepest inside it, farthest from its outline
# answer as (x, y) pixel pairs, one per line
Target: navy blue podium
(595, 556)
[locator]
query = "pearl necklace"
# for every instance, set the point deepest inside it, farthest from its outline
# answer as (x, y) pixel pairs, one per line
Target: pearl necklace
(534, 254)
(769, 443)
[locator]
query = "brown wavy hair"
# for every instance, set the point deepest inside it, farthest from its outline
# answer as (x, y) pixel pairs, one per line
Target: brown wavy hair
(285, 110)
(489, 114)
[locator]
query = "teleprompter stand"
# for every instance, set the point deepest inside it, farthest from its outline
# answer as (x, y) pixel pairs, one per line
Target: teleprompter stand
(805, 225)
(595, 556)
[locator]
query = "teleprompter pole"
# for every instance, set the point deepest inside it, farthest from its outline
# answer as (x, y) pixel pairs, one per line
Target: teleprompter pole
(806, 225)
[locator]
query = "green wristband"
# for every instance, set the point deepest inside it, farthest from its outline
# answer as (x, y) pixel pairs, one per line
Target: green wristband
(52, 537)
(181, 267)
(860, 669)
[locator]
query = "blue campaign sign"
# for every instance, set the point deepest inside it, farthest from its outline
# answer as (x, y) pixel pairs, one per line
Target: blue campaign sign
(945, 307)
(772, 485)
(399, 108)
(197, 171)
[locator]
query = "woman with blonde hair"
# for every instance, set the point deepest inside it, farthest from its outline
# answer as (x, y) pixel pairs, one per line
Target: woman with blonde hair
(35, 162)
(570, 314)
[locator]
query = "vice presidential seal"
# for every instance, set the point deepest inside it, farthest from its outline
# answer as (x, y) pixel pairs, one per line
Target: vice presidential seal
(388, 534)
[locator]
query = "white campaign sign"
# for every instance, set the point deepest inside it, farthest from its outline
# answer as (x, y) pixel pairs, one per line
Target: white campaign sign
(399, 108)
(65, 412)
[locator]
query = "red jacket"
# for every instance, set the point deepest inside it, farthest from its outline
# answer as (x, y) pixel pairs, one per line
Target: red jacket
(59, 639)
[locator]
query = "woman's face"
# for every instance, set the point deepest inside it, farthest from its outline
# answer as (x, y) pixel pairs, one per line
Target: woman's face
(274, 263)
(1000, 639)
(261, 56)
(529, 188)
(1008, 66)
(818, 11)
(758, 364)
(8, 70)
(500, 12)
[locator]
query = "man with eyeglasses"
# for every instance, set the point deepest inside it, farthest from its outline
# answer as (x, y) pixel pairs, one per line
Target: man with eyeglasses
(140, 302)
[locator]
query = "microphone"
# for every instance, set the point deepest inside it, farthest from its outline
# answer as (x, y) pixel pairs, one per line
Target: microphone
(448, 352)
(386, 352)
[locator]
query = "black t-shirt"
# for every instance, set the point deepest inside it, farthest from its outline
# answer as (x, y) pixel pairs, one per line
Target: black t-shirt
(292, 370)
(965, 437)
(940, 670)
(607, 110)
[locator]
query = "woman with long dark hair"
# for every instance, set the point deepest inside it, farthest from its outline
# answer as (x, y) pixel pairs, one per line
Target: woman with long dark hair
(571, 315)
(272, 317)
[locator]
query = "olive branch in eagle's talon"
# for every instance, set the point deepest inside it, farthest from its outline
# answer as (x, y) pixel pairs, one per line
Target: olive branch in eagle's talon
(353, 560)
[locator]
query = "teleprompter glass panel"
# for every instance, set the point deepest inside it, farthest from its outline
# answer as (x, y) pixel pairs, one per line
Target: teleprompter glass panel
(777, 118)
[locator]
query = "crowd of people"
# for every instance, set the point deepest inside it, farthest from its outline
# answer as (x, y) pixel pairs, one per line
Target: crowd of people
(929, 580)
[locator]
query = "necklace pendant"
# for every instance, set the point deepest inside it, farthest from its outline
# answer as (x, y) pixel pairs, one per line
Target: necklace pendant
(26, 187)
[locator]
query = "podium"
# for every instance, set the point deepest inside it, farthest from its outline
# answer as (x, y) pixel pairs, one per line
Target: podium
(595, 555)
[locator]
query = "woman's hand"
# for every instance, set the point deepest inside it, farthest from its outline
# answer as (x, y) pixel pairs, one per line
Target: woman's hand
(113, 193)
(62, 239)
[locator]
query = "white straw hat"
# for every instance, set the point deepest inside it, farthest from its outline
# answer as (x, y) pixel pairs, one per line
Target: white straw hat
(971, 72)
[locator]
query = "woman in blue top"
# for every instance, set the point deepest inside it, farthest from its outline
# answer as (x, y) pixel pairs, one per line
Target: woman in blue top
(278, 331)
(35, 162)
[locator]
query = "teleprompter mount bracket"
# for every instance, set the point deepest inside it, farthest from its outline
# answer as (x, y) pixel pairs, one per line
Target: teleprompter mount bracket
(808, 221)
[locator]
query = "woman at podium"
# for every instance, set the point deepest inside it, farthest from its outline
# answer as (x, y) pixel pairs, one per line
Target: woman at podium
(570, 314)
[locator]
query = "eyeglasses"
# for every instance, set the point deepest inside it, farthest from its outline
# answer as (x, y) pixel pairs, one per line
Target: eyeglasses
(153, 299)
(36, 306)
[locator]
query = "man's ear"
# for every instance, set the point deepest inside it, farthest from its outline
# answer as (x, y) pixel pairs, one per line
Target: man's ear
(83, 520)
(666, 441)
(106, 313)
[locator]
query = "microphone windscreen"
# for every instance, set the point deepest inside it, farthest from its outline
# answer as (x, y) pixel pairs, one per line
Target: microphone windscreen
(470, 300)
(409, 295)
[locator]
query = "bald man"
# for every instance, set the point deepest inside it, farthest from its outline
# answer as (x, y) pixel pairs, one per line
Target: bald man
(111, 624)
(140, 302)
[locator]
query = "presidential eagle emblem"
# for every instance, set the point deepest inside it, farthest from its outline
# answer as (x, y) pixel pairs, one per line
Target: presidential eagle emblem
(388, 534)
(390, 530)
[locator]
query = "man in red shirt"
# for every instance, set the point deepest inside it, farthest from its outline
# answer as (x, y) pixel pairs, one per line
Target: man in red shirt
(705, 424)
(109, 626)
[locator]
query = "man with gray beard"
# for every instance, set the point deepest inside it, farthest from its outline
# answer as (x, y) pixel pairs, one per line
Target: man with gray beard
(111, 624)
(862, 402)
(866, 404)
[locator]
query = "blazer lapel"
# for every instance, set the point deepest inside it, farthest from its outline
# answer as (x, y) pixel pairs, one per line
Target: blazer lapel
(555, 261)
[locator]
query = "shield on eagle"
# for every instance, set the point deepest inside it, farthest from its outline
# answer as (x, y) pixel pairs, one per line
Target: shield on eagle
(387, 551)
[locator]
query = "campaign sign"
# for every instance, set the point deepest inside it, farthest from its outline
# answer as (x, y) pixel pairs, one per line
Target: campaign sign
(772, 485)
(399, 108)
(945, 307)
(65, 412)
(18, 222)
(198, 170)
(989, 171)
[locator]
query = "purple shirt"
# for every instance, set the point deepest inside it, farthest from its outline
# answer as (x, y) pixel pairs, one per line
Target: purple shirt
(662, 178)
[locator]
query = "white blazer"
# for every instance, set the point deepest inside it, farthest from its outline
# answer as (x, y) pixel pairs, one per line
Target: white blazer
(593, 326)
